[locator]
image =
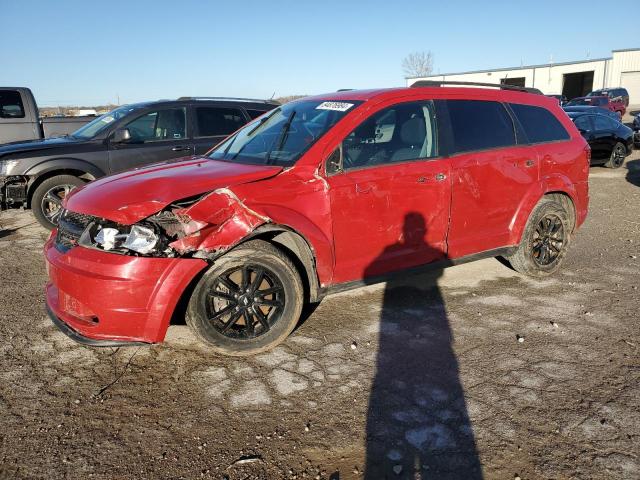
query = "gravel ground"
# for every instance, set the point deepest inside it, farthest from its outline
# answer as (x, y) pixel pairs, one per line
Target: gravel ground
(421, 379)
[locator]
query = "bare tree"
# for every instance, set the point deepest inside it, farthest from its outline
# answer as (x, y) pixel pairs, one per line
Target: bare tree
(418, 64)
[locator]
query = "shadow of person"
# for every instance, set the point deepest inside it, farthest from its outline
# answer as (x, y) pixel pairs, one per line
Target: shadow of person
(417, 422)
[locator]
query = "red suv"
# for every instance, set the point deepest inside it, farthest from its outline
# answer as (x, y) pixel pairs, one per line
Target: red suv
(616, 106)
(316, 196)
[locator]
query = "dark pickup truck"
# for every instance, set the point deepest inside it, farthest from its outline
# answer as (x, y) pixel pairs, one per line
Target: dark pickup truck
(20, 119)
(39, 174)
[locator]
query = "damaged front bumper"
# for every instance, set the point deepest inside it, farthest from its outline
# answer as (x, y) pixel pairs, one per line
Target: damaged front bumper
(13, 191)
(101, 297)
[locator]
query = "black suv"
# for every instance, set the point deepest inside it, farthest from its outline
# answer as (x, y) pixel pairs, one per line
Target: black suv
(39, 174)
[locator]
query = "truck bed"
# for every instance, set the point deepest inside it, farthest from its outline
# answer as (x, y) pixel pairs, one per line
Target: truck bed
(60, 126)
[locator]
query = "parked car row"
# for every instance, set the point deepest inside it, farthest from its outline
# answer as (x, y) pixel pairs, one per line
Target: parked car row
(317, 196)
(604, 102)
(609, 139)
(39, 174)
(614, 99)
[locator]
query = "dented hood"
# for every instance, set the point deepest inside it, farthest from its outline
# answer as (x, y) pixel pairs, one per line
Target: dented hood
(130, 196)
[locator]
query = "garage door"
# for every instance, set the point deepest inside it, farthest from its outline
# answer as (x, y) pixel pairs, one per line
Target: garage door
(631, 81)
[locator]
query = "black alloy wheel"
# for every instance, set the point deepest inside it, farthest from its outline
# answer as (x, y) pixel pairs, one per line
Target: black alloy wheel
(245, 302)
(618, 154)
(548, 240)
(248, 300)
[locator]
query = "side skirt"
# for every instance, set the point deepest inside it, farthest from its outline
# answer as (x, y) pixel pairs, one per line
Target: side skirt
(440, 264)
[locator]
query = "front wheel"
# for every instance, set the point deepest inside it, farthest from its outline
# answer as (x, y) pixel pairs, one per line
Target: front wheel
(248, 301)
(545, 240)
(46, 202)
(617, 157)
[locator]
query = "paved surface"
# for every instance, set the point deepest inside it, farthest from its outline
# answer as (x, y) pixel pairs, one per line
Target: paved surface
(421, 379)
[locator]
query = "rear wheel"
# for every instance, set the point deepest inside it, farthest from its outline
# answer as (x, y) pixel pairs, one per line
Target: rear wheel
(249, 301)
(545, 240)
(46, 202)
(617, 157)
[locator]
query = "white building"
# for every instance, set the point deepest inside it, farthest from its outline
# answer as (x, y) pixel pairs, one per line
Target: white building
(572, 79)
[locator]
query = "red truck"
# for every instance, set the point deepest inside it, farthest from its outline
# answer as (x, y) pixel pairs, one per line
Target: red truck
(317, 196)
(614, 105)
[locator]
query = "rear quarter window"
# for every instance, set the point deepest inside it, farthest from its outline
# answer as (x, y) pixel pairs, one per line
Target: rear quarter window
(539, 124)
(218, 121)
(256, 113)
(11, 104)
(480, 125)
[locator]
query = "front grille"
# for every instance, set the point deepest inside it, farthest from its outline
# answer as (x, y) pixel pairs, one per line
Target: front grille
(70, 227)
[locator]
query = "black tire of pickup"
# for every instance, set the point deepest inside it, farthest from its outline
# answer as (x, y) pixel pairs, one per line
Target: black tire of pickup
(48, 189)
(545, 240)
(225, 301)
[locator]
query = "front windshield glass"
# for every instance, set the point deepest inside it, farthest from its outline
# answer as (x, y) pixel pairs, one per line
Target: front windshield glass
(582, 102)
(283, 135)
(96, 126)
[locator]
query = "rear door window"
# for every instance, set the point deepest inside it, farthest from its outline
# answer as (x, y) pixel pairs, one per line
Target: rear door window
(218, 121)
(540, 125)
(11, 104)
(480, 125)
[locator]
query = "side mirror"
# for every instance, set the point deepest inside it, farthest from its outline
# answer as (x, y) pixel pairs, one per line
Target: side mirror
(121, 135)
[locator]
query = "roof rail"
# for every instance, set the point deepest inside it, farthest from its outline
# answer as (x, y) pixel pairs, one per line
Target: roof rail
(234, 99)
(344, 89)
(501, 86)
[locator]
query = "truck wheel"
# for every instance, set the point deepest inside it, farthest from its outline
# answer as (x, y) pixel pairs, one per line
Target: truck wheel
(545, 240)
(617, 157)
(248, 301)
(46, 202)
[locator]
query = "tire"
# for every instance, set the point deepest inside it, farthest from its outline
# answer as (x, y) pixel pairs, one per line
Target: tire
(528, 258)
(618, 154)
(229, 320)
(54, 188)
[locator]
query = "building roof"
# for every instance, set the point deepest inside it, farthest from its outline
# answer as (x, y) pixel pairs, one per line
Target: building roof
(504, 69)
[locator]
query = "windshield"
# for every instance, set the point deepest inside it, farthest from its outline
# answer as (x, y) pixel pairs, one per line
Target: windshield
(283, 135)
(585, 101)
(96, 126)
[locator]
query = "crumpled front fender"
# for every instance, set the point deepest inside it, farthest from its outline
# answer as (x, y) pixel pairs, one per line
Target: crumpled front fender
(228, 220)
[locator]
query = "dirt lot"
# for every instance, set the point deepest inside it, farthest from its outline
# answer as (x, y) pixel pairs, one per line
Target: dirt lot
(425, 379)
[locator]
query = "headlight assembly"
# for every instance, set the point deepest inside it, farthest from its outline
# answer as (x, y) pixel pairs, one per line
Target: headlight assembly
(6, 166)
(137, 238)
(141, 239)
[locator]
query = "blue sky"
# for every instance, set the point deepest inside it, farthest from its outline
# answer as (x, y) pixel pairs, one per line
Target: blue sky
(88, 52)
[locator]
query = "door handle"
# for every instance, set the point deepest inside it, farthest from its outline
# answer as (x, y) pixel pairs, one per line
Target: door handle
(180, 148)
(440, 177)
(529, 163)
(360, 189)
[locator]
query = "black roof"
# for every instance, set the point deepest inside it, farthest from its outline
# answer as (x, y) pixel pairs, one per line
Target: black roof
(227, 101)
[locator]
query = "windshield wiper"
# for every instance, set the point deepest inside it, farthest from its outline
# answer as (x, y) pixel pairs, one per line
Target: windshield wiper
(259, 124)
(282, 138)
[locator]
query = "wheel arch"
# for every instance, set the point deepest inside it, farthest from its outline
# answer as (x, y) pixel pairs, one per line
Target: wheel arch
(558, 187)
(62, 166)
(299, 251)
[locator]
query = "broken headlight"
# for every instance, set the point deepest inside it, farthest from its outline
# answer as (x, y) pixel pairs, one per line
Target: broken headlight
(139, 239)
